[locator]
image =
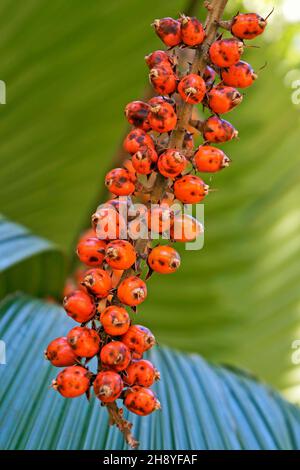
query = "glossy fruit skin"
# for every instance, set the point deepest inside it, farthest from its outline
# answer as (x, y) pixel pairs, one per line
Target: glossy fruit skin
(115, 355)
(91, 251)
(217, 130)
(141, 372)
(185, 228)
(162, 117)
(141, 401)
(72, 381)
(226, 52)
(60, 353)
(192, 88)
(210, 159)
(136, 113)
(138, 339)
(132, 291)
(164, 259)
(136, 139)
(158, 58)
(209, 76)
(108, 386)
(240, 75)
(144, 159)
(159, 218)
(156, 100)
(163, 79)
(171, 163)
(192, 31)
(98, 282)
(168, 30)
(115, 320)
(222, 99)
(84, 341)
(120, 254)
(190, 189)
(248, 25)
(108, 223)
(79, 306)
(120, 182)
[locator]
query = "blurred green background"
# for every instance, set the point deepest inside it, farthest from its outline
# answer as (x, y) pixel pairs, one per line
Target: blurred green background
(70, 67)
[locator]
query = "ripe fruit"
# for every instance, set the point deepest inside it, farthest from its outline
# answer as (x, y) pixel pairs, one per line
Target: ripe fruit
(171, 163)
(136, 113)
(192, 31)
(185, 228)
(162, 117)
(240, 75)
(169, 31)
(221, 99)
(138, 339)
(91, 251)
(190, 189)
(159, 218)
(132, 291)
(108, 223)
(158, 58)
(192, 88)
(79, 306)
(72, 381)
(84, 341)
(120, 182)
(136, 139)
(98, 282)
(163, 79)
(142, 373)
(210, 159)
(120, 254)
(226, 52)
(60, 353)
(164, 259)
(115, 320)
(141, 401)
(108, 386)
(161, 100)
(209, 76)
(144, 159)
(248, 25)
(115, 355)
(216, 130)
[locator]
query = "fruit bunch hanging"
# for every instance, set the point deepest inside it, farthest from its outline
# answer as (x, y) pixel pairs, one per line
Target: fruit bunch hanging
(163, 167)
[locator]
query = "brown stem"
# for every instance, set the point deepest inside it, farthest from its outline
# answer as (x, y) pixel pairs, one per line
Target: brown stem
(116, 418)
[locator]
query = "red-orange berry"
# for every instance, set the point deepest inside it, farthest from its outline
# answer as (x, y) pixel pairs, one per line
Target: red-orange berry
(185, 228)
(210, 159)
(141, 373)
(209, 76)
(132, 291)
(226, 52)
(171, 163)
(120, 254)
(98, 282)
(138, 339)
(115, 320)
(115, 355)
(136, 113)
(136, 139)
(144, 159)
(108, 386)
(192, 88)
(190, 189)
(72, 381)
(91, 251)
(60, 353)
(159, 218)
(216, 130)
(163, 79)
(164, 259)
(158, 58)
(141, 401)
(84, 341)
(222, 99)
(248, 25)
(240, 75)
(161, 100)
(192, 31)
(162, 117)
(120, 182)
(108, 223)
(168, 30)
(79, 306)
